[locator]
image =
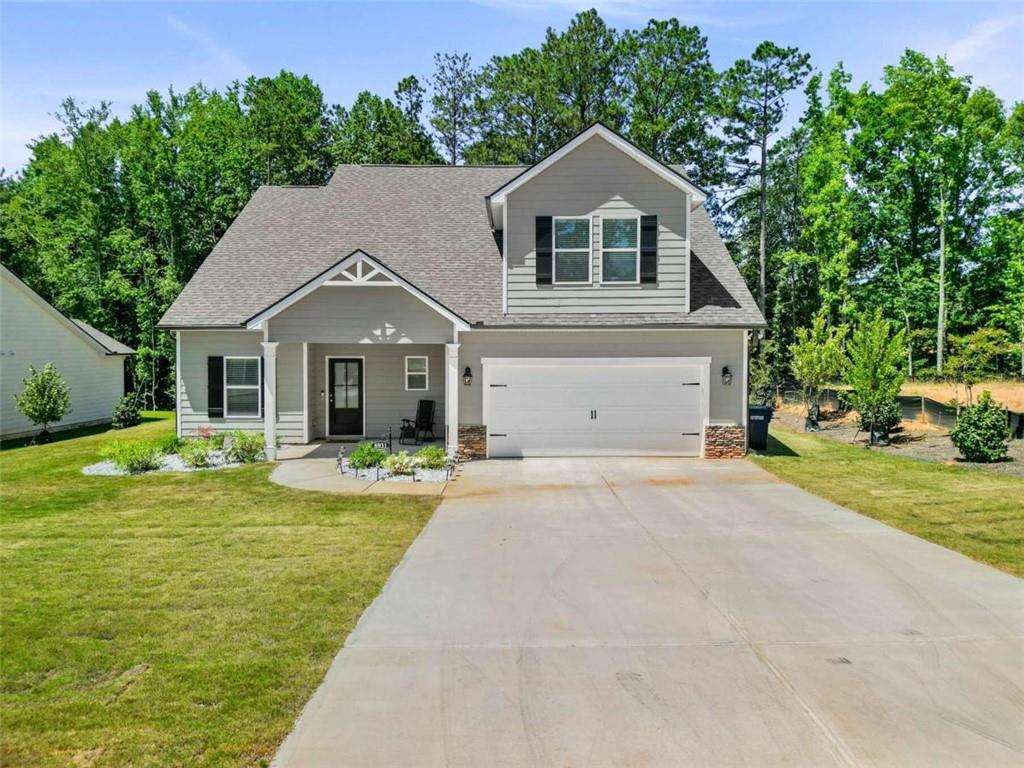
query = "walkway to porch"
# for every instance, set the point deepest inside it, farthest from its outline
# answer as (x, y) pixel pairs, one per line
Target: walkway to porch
(314, 467)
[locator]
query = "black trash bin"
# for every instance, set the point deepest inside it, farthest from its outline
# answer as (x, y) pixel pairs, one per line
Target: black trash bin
(759, 417)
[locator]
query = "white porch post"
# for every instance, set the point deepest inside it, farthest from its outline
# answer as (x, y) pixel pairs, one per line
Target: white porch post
(451, 400)
(270, 397)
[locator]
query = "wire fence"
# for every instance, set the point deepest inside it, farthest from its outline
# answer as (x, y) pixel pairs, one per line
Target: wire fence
(914, 407)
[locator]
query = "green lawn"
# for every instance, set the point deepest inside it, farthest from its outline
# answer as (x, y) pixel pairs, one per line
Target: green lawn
(173, 619)
(978, 513)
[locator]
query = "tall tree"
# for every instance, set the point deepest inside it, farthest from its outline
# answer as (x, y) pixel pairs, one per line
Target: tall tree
(754, 94)
(671, 99)
(456, 87)
(376, 130)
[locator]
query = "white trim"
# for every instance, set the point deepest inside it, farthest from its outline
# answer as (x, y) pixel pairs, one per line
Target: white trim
(601, 251)
(611, 329)
(258, 386)
(327, 392)
(504, 260)
(177, 383)
(666, 173)
(589, 251)
(703, 364)
(305, 391)
(332, 271)
(269, 382)
(452, 382)
(425, 373)
(746, 386)
(687, 222)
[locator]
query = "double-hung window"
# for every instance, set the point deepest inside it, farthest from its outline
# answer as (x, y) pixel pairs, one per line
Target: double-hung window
(620, 250)
(416, 374)
(572, 250)
(242, 386)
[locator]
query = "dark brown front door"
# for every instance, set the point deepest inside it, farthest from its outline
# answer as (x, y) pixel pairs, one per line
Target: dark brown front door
(345, 396)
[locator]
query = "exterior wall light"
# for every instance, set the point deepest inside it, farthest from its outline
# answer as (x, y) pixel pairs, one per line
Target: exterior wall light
(726, 375)
(467, 376)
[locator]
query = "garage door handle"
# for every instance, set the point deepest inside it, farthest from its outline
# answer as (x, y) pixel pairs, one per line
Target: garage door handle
(499, 385)
(691, 383)
(690, 434)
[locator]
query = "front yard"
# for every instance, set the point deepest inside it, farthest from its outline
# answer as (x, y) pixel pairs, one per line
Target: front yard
(174, 619)
(971, 511)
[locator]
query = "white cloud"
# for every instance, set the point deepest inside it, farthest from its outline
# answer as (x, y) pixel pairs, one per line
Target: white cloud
(230, 63)
(990, 52)
(982, 36)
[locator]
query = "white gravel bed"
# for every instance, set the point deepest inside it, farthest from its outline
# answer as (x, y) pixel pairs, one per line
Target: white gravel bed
(422, 475)
(169, 463)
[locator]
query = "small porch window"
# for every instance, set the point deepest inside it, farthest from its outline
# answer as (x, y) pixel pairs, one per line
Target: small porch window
(417, 373)
(242, 386)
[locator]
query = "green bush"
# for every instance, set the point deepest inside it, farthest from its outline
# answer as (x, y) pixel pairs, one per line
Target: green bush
(126, 413)
(246, 447)
(133, 456)
(170, 444)
(981, 432)
(365, 456)
(400, 463)
(45, 400)
(884, 416)
(212, 436)
(196, 453)
(431, 457)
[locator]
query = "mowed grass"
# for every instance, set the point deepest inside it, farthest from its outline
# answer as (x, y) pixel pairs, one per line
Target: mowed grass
(978, 513)
(173, 619)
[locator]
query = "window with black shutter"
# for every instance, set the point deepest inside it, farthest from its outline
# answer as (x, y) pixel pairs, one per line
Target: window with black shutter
(215, 387)
(543, 249)
(648, 249)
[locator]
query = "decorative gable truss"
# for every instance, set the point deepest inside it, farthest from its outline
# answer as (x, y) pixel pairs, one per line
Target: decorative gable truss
(361, 272)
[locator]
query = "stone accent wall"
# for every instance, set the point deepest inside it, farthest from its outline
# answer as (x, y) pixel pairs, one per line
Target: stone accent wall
(724, 441)
(472, 442)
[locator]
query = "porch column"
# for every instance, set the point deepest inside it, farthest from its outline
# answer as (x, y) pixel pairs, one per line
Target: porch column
(451, 399)
(270, 398)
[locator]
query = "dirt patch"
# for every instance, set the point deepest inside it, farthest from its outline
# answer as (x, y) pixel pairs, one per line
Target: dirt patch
(914, 440)
(84, 758)
(458, 492)
(1009, 394)
(673, 482)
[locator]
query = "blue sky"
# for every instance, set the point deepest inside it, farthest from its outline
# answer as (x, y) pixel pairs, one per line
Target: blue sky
(118, 51)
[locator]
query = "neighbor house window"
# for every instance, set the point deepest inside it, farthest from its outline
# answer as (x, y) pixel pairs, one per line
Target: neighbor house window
(572, 250)
(242, 386)
(416, 374)
(620, 250)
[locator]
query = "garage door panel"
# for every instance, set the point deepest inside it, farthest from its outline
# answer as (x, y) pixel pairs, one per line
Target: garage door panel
(583, 408)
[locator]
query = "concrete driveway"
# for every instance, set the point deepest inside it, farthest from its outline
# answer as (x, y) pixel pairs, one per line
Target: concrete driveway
(616, 612)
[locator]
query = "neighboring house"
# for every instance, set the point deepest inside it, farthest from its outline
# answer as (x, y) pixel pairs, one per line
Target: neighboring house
(582, 306)
(32, 332)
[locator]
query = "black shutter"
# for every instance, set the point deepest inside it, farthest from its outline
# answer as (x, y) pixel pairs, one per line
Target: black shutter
(543, 248)
(215, 387)
(263, 388)
(648, 249)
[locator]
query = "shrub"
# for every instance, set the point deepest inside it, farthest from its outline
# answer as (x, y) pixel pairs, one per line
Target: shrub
(431, 457)
(246, 447)
(875, 373)
(46, 398)
(170, 444)
(196, 453)
(133, 456)
(126, 413)
(981, 432)
(212, 436)
(884, 417)
(817, 360)
(400, 463)
(365, 456)
(763, 375)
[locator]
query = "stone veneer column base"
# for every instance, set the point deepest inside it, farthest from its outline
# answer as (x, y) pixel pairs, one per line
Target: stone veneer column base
(472, 442)
(724, 441)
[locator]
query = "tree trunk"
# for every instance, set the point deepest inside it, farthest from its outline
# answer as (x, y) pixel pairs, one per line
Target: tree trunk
(762, 206)
(941, 324)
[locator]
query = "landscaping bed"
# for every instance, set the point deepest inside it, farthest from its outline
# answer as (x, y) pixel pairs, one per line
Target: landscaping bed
(430, 464)
(914, 440)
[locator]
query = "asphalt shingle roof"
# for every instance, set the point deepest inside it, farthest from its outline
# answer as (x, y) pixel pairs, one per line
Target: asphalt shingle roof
(109, 343)
(429, 224)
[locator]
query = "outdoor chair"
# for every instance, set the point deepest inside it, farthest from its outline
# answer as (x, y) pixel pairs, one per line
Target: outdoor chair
(415, 431)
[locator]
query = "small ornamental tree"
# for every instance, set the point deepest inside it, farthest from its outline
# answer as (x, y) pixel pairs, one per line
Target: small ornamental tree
(981, 432)
(762, 374)
(875, 373)
(45, 400)
(818, 360)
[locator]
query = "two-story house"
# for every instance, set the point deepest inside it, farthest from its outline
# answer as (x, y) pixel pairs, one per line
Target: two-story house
(584, 305)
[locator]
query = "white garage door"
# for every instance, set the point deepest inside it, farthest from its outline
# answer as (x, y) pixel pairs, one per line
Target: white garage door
(583, 407)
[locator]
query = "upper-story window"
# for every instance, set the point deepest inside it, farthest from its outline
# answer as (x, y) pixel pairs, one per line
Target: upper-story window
(572, 250)
(620, 250)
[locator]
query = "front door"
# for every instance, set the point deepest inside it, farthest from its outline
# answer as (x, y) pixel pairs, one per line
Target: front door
(345, 396)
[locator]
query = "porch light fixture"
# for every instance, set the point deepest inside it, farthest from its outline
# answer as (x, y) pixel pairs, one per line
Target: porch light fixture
(726, 375)
(467, 376)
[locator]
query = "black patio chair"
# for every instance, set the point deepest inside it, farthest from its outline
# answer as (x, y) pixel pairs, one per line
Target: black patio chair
(415, 431)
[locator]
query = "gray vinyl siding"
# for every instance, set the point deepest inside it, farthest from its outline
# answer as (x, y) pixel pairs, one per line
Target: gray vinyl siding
(597, 180)
(32, 334)
(197, 346)
(386, 402)
(361, 315)
(724, 347)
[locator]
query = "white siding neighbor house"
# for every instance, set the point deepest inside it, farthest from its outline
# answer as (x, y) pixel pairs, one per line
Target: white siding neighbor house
(581, 306)
(33, 333)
